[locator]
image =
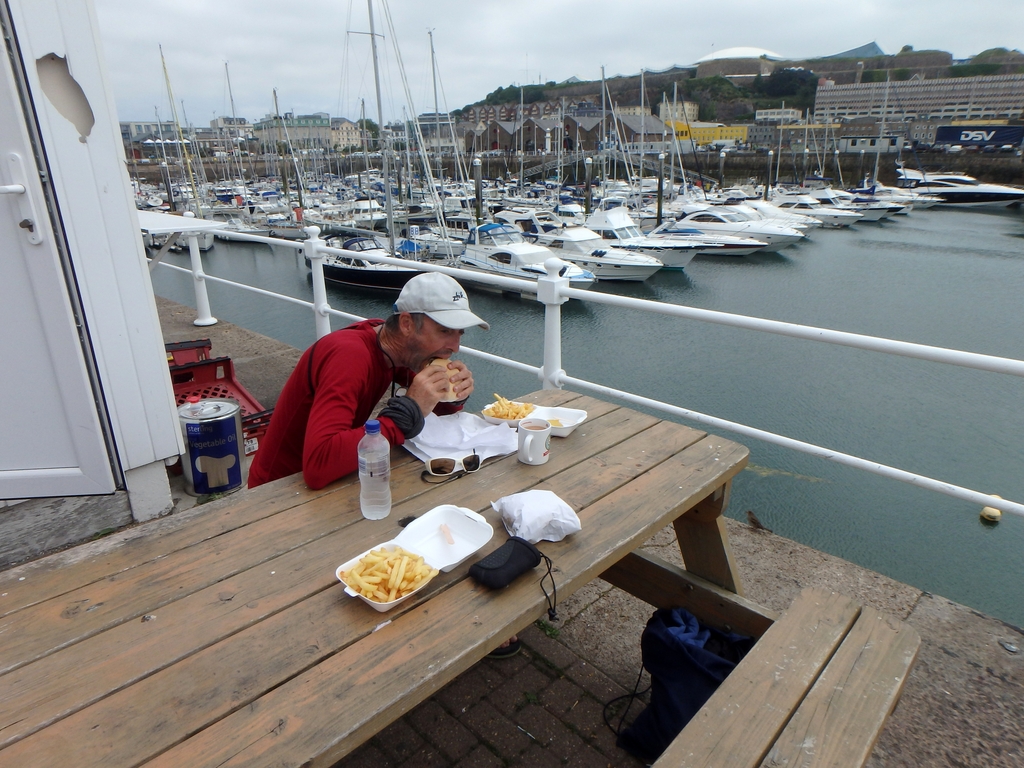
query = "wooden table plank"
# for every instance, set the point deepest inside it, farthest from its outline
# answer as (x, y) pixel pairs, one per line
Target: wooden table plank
(749, 710)
(205, 670)
(665, 585)
(839, 722)
(59, 574)
(321, 715)
(37, 697)
(134, 592)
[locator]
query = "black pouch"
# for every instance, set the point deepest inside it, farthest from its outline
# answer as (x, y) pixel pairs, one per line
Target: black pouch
(500, 568)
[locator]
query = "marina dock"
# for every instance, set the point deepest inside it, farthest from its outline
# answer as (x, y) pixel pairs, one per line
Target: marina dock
(962, 705)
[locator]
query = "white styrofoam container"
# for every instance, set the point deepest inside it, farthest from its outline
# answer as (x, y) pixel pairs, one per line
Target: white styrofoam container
(569, 417)
(423, 536)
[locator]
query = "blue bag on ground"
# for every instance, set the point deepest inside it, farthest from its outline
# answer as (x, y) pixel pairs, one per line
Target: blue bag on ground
(687, 662)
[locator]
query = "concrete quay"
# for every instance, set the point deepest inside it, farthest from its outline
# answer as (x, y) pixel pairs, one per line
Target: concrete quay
(963, 704)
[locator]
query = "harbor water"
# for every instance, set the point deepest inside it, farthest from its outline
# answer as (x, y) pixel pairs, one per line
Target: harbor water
(949, 278)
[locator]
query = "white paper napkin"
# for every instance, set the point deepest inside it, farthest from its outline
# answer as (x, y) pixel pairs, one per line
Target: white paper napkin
(459, 434)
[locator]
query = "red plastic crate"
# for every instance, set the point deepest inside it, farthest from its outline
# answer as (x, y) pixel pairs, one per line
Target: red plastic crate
(181, 352)
(214, 378)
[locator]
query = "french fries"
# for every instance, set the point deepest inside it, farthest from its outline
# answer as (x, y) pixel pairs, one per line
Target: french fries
(384, 576)
(506, 409)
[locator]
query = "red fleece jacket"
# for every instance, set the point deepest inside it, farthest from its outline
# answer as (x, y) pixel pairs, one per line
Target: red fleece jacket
(319, 417)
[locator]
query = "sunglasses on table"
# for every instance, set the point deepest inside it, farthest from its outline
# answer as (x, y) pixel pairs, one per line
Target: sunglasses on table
(443, 467)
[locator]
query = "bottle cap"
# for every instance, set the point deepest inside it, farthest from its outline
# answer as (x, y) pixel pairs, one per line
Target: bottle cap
(373, 427)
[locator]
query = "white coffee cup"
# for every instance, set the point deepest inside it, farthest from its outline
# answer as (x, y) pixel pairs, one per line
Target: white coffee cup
(534, 441)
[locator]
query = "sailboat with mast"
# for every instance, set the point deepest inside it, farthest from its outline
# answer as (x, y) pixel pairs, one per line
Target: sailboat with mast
(351, 267)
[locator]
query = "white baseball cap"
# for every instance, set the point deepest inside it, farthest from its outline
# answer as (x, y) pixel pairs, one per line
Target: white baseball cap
(440, 298)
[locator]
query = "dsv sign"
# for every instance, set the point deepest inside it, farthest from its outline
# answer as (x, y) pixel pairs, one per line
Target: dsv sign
(976, 135)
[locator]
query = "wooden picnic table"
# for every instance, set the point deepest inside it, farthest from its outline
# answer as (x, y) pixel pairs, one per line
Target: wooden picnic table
(224, 639)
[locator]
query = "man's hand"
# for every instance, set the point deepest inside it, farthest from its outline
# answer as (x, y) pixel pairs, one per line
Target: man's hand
(430, 385)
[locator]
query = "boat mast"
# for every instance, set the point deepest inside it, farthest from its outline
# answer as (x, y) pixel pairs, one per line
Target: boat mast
(181, 138)
(643, 126)
(522, 137)
(561, 141)
(807, 119)
(231, 135)
(778, 160)
(603, 140)
(676, 153)
(166, 169)
(385, 166)
(881, 129)
(284, 165)
(437, 115)
(407, 157)
(364, 137)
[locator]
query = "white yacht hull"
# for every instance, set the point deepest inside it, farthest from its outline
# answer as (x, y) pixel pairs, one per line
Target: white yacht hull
(607, 269)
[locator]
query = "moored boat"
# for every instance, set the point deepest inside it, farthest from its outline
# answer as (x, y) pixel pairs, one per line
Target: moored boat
(959, 189)
(500, 249)
(352, 268)
(619, 230)
(586, 249)
(719, 220)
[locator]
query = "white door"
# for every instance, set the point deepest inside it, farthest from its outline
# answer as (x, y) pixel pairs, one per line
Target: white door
(52, 436)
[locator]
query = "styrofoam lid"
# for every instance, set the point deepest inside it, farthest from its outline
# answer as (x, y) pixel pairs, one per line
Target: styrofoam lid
(468, 532)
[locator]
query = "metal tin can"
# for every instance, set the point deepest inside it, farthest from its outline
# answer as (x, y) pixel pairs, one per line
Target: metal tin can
(213, 445)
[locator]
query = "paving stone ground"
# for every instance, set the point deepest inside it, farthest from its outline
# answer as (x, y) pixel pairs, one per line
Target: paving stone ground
(542, 707)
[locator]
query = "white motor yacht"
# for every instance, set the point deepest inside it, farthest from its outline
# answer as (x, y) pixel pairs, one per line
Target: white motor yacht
(501, 249)
(619, 230)
(586, 249)
(959, 189)
(571, 214)
(531, 221)
(709, 244)
(807, 205)
(720, 220)
(787, 218)
(917, 200)
(843, 200)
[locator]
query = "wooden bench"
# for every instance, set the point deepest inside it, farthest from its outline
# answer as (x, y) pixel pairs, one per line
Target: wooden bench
(816, 690)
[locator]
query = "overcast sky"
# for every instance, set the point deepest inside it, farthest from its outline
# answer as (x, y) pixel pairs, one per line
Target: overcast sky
(316, 53)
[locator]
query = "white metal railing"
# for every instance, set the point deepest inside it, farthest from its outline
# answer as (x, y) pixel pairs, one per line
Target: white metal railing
(553, 291)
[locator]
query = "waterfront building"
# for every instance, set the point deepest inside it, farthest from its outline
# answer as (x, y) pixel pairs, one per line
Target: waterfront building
(952, 98)
(584, 109)
(682, 110)
(345, 135)
(642, 133)
(136, 131)
(437, 131)
(499, 136)
(872, 145)
(778, 116)
(232, 127)
(703, 134)
(303, 131)
(583, 132)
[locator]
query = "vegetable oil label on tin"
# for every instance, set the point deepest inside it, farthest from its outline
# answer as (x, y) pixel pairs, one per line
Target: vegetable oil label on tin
(212, 431)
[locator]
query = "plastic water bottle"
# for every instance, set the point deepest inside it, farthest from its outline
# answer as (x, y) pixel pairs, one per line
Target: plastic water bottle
(374, 454)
